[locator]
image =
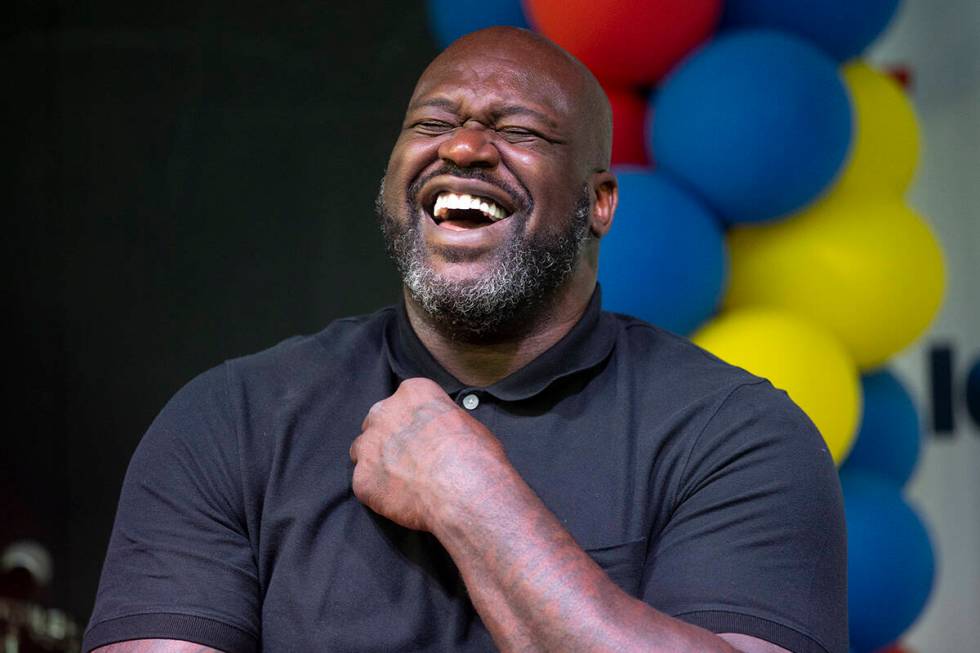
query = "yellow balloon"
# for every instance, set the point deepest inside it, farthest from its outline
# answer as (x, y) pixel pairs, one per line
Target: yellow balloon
(796, 356)
(871, 271)
(885, 145)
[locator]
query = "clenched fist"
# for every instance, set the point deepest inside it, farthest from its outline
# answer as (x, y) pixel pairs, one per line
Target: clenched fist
(420, 458)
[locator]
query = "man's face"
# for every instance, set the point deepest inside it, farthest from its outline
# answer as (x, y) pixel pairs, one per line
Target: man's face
(485, 202)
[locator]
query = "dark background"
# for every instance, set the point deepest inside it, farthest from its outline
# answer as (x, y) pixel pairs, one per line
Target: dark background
(187, 182)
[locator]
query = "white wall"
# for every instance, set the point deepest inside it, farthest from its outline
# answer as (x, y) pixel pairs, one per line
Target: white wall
(940, 43)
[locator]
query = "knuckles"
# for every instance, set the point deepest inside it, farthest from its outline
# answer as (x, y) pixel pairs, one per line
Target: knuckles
(420, 386)
(410, 392)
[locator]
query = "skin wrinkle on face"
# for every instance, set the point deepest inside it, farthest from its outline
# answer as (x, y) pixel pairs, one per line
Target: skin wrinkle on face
(517, 47)
(477, 85)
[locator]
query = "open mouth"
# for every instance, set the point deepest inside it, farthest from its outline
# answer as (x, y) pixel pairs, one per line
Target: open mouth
(460, 211)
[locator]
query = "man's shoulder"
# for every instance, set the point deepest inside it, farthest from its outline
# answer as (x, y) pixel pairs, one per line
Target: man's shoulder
(343, 338)
(672, 361)
(671, 371)
(347, 348)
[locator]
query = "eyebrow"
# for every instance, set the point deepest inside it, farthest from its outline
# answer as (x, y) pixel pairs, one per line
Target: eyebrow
(500, 112)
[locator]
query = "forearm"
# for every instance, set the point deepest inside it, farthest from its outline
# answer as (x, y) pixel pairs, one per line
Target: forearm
(537, 590)
(426, 464)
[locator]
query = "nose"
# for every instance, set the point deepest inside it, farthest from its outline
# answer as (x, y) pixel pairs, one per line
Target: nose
(470, 147)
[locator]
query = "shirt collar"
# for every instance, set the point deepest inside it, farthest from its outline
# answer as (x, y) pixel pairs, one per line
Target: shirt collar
(586, 345)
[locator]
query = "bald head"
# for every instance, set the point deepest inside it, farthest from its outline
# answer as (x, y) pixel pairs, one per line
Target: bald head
(543, 65)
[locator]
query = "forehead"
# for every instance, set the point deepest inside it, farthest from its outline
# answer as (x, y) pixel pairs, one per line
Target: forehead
(492, 77)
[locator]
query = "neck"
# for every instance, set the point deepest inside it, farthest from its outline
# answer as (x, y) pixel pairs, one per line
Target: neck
(484, 363)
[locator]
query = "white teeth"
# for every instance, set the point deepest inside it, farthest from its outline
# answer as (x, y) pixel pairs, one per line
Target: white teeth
(447, 200)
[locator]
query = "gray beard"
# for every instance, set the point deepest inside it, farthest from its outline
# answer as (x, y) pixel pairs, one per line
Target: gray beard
(520, 285)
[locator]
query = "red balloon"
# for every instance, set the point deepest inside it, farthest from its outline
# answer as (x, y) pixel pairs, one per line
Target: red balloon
(626, 42)
(629, 109)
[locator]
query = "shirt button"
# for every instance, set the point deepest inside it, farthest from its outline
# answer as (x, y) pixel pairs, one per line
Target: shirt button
(470, 402)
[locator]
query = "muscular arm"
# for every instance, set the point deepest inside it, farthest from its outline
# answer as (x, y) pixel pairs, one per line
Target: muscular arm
(537, 590)
(426, 464)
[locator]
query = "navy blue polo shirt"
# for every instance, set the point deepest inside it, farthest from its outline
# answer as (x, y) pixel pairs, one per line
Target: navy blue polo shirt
(696, 486)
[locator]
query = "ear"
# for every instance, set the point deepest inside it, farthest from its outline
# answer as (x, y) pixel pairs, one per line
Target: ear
(605, 190)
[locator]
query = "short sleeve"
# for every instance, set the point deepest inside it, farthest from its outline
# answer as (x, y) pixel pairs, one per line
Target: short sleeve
(756, 541)
(179, 564)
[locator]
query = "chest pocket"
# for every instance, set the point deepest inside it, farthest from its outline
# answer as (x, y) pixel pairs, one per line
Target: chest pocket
(623, 563)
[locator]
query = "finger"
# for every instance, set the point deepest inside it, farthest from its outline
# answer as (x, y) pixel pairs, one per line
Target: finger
(362, 485)
(357, 483)
(372, 411)
(354, 446)
(422, 385)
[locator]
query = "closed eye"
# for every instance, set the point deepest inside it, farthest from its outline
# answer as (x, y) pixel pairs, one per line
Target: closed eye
(433, 126)
(518, 134)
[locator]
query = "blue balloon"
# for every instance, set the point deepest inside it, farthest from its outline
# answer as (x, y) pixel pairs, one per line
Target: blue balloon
(757, 122)
(450, 19)
(841, 28)
(891, 567)
(664, 260)
(889, 439)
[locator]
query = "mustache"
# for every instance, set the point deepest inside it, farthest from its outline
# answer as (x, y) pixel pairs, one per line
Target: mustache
(519, 197)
